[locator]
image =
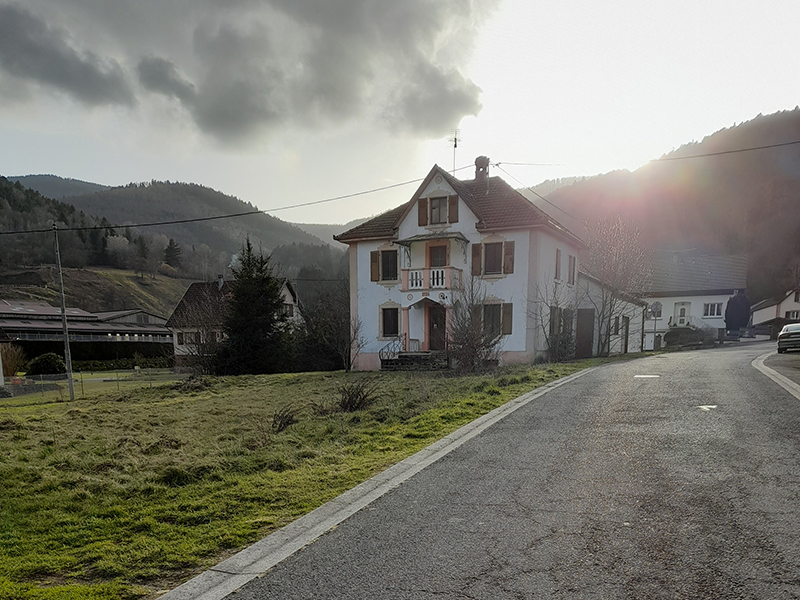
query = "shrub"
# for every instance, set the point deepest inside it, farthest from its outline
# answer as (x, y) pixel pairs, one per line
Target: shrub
(13, 359)
(357, 394)
(283, 418)
(47, 364)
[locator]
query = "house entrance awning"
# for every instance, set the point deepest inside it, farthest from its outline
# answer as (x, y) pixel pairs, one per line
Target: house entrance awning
(427, 237)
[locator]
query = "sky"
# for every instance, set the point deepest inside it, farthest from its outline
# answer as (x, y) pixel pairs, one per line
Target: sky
(284, 102)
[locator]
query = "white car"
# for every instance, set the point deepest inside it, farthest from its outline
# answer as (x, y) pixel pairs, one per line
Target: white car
(789, 337)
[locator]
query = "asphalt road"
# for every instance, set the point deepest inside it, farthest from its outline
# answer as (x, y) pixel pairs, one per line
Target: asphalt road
(685, 485)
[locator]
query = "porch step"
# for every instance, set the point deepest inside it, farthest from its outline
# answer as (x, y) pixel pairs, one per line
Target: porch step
(416, 361)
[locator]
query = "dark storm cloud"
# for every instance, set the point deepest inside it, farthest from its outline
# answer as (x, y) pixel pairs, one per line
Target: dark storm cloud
(242, 67)
(33, 51)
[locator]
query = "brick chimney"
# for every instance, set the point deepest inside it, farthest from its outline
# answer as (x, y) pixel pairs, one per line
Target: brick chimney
(481, 168)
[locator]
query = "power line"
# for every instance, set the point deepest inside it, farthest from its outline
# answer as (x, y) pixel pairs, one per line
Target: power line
(523, 164)
(225, 216)
(726, 151)
(539, 195)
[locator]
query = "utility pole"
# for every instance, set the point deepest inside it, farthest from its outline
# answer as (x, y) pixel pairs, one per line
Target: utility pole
(67, 354)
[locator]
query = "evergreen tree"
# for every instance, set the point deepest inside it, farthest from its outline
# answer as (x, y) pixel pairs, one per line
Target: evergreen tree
(258, 338)
(172, 254)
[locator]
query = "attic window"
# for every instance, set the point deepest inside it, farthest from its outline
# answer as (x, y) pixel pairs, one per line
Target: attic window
(438, 210)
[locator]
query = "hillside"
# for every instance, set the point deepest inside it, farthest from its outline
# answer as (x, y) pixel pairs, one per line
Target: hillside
(94, 289)
(730, 203)
(326, 232)
(56, 187)
(166, 201)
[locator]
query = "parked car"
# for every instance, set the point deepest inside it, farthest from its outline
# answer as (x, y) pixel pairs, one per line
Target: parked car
(789, 337)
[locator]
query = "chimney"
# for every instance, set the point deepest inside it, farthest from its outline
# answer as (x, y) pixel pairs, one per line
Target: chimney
(220, 281)
(481, 168)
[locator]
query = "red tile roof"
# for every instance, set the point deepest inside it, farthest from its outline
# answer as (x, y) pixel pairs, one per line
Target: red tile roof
(496, 204)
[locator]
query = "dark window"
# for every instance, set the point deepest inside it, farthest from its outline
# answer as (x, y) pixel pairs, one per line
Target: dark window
(616, 325)
(391, 322)
(493, 258)
(288, 310)
(438, 256)
(180, 338)
(493, 319)
(389, 265)
(438, 210)
(797, 296)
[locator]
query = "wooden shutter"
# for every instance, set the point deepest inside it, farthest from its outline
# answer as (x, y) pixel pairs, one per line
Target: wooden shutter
(508, 313)
(476, 259)
(374, 265)
(508, 257)
(452, 209)
(422, 210)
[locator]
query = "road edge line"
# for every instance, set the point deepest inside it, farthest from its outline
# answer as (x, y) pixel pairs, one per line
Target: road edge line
(251, 562)
(783, 381)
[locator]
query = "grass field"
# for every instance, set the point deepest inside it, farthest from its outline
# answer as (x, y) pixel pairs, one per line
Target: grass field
(127, 493)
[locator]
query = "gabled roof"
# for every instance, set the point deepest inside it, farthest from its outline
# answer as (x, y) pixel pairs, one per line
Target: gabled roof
(683, 272)
(496, 205)
(766, 303)
(202, 301)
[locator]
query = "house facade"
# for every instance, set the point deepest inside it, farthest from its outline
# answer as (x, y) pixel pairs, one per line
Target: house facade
(198, 320)
(776, 312)
(411, 265)
(693, 290)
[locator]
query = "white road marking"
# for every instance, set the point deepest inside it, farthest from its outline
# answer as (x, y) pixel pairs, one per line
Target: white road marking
(707, 407)
(646, 376)
(786, 383)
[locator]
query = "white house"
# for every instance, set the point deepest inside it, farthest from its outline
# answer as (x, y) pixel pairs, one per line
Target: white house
(693, 290)
(778, 311)
(409, 266)
(197, 321)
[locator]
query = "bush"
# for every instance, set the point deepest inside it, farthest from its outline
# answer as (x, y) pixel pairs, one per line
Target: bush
(47, 364)
(357, 394)
(13, 359)
(154, 362)
(283, 418)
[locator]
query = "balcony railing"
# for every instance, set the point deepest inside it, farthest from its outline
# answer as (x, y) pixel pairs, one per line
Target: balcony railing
(434, 278)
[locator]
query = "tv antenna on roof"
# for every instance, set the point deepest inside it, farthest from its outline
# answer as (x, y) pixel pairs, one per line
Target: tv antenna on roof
(455, 139)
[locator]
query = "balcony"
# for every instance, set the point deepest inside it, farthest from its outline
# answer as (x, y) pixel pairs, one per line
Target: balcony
(434, 278)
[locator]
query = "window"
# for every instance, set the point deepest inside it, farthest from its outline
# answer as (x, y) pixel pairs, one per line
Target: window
(561, 320)
(713, 309)
(573, 263)
(616, 325)
(655, 314)
(493, 259)
(558, 263)
(793, 314)
(288, 310)
(438, 210)
(435, 211)
(438, 256)
(496, 258)
(383, 265)
(390, 322)
(492, 319)
(797, 296)
(180, 338)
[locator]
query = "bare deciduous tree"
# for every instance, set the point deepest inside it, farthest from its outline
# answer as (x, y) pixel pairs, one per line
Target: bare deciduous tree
(554, 312)
(472, 344)
(618, 260)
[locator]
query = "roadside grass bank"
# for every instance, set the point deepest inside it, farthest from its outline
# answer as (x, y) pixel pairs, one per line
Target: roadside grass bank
(130, 493)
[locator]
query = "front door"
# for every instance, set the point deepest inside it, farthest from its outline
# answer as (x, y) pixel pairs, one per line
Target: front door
(436, 327)
(584, 333)
(682, 313)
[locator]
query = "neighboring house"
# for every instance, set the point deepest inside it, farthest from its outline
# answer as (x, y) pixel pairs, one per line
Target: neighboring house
(776, 312)
(37, 328)
(693, 289)
(198, 320)
(409, 266)
(622, 315)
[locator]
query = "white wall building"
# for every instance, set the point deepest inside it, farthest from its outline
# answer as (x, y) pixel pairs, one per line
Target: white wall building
(778, 311)
(693, 289)
(409, 266)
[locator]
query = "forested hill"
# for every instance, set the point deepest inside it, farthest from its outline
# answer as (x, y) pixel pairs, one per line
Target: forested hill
(166, 201)
(732, 202)
(57, 187)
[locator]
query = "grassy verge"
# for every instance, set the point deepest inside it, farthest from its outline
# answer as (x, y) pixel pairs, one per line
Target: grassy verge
(134, 491)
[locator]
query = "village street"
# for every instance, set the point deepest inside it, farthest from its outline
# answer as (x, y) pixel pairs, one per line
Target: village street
(675, 476)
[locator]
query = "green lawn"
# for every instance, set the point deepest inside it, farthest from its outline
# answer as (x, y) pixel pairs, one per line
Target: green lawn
(130, 492)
